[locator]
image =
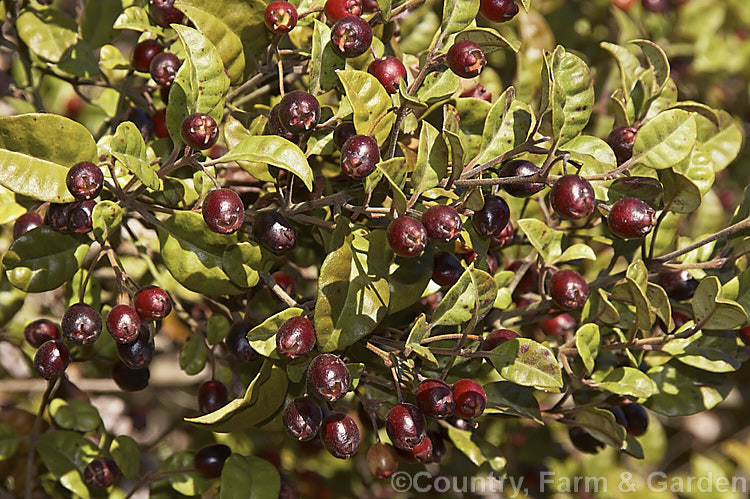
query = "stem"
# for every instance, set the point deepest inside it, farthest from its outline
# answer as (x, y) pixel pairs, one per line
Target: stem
(732, 229)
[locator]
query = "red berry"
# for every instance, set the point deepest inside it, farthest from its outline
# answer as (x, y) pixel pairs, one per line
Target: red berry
(339, 9)
(57, 216)
(498, 11)
(505, 238)
(275, 127)
(656, 6)
(625, 5)
(299, 111)
(744, 333)
(573, 197)
(370, 5)
(123, 323)
(405, 426)
(280, 17)
(470, 398)
(51, 359)
(164, 68)
(286, 281)
(497, 338)
(302, 418)
(143, 54)
(160, 124)
(340, 435)
(435, 398)
(477, 92)
(101, 473)
(212, 396)
(295, 338)
(621, 141)
(521, 168)
(79, 216)
(27, 222)
(442, 223)
(41, 331)
(164, 13)
(351, 36)
(631, 218)
(273, 231)
(359, 155)
(152, 303)
(447, 270)
(223, 211)
(466, 59)
(559, 325)
(492, 219)
(328, 378)
(407, 236)
(382, 460)
(84, 180)
(209, 461)
(81, 324)
(389, 71)
(343, 132)
(199, 131)
(568, 289)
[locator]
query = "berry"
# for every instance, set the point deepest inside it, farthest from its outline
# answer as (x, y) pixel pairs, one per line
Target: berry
(625, 5)
(81, 324)
(678, 284)
(141, 120)
(359, 155)
(199, 131)
(209, 461)
(152, 303)
(498, 11)
(351, 36)
(568, 289)
(497, 338)
(41, 331)
(272, 230)
(212, 395)
(160, 124)
(123, 323)
(302, 418)
(492, 219)
(57, 216)
(340, 435)
(744, 334)
(637, 418)
(164, 13)
(51, 359)
(328, 378)
(130, 380)
(286, 282)
(343, 132)
(619, 416)
(223, 211)
(656, 6)
(447, 270)
(584, 441)
(79, 216)
(299, 112)
(382, 460)
(438, 446)
(164, 68)
(139, 353)
(470, 398)
(407, 236)
(621, 141)
(529, 282)
(477, 92)
(275, 127)
(505, 238)
(572, 197)
(405, 426)
(280, 17)
(143, 54)
(631, 218)
(521, 168)
(339, 9)
(389, 71)
(27, 222)
(237, 343)
(435, 398)
(421, 453)
(442, 223)
(101, 472)
(164, 94)
(559, 325)
(466, 59)
(295, 338)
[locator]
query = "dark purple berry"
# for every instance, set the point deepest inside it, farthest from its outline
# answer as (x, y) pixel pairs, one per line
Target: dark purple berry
(163, 68)
(405, 426)
(572, 197)
(359, 155)
(295, 338)
(497, 338)
(143, 54)
(160, 124)
(521, 168)
(568, 289)
(209, 461)
(272, 230)
(280, 17)
(637, 418)
(141, 120)
(470, 398)
(164, 13)
(328, 378)
(123, 323)
(79, 216)
(199, 131)
(212, 395)
(299, 111)
(678, 284)
(343, 132)
(338, 9)
(447, 270)
(421, 453)
(351, 36)
(619, 416)
(407, 236)
(382, 460)
(621, 141)
(57, 216)
(302, 418)
(139, 353)
(340, 435)
(101, 473)
(656, 6)
(389, 71)
(41, 331)
(152, 303)
(631, 218)
(81, 324)
(435, 398)
(275, 127)
(27, 222)
(492, 219)
(51, 359)
(237, 343)
(584, 441)
(442, 223)
(130, 380)
(466, 59)
(223, 211)
(503, 239)
(499, 11)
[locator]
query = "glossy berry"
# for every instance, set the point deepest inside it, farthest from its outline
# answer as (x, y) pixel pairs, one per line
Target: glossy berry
(302, 418)
(656, 6)
(160, 124)
(84, 180)
(123, 323)
(621, 141)
(130, 380)
(199, 131)
(521, 168)
(351, 36)
(382, 460)
(438, 446)
(447, 270)
(79, 216)
(280, 17)
(343, 132)
(435, 398)
(359, 155)
(470, 398)
(275, 127)
(237, 343)
(407, 236)
(466, 59)
(139, 353)
(637, 418)
(152, 303)
(584, 441)
(421, 453)
(492, 219)
(81, 324)
(678, 284)
(57, 216)
(209, 461)
(40, 331)
(295, 338)
(27, 222)
(477, 92)
(51, 359)
(212, 395)
(272, 230)
(143, 54)
(164, 13)
(340, 435)
(164, 68)
(498, 11)
(442, 223)
(559, 325)
(223, 211)
(631, 218)
(572, 197)
(339, 9)
(101, 473)
(619, 415)
(328, 378)
(299, 111)
(568, 289)
(405, 426)
(505, 238)
(497, 338)
(389, 71)
(286, 282)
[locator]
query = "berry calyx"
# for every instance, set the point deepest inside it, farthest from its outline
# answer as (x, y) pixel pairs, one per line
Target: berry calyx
(359, 155)
(237, 342)
(130, 380)
(84, 180)
(209, 461)
(299, 111)
(295, 338)
(503, 239)
(389, 71)
(442, 223)
(212, 395)
(568, 289)
(621, 141)
(163, 68)
(27, 222)
(272, 230)
(447, 270)
(280, 17)
(123, 323)
(492, 219)
(497, 338)
(521, 168)
(382, 460)
(41, 331)
(573, 197)
(340, 435)
(499, 11)
(466, 59)
(223, 211)
(435, 398)
(351, 36)
(81, 324)
(101, 473)
(199, 131)
(421, 453)
(152, 303)
(407, 236)
(631, 218)
(339, 9)
(328, 378)
(303, 418)
(164, 13)
(143, 54)
(405, 426)
(584, 441)
(51, 359)
(275, 127)
(470, 398)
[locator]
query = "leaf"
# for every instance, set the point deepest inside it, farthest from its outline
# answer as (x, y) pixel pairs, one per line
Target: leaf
(105, 219)
(9, 441)
(577, 252)
(263, 398)
(324, 61)
(249, 477)
(128, 147)
(407, 281)
(509, 398)
(646, 188)
(188, 483)
(419, 331)
(458, 14)
(587, 344)
(680, 194)
(723, 143)
(43, 259)
(712, 310)
(136, 18)
(438, 85)
(657, 61)
(275, 151)
(698, 168)
(489, 39)
(74, 415)
(193, 355)
(97, 19)
(628, 381)
(526, 362)
(36, 151)
(630, 66)
(683, 390)
(602, 425)
(126, 454)
(471, 298)
(432, 159)
(65, 454)
(713, 351)
(572, 95)
(48, 32)
(462, 440)
(547, 241)
(508, 125)
(665, 140)
(263, 336)
(193, 254)
(370, 102)
(241, 262)
(659, 303)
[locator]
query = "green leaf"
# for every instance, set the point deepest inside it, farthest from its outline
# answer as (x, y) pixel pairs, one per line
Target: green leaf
(241, 262)
(105, 219)
(394, 171)
(508, 125)
(407, 281)
(324, 61)
(712, 310)
(370, 102)
(36, 151)
(65, 454)
(646, 188)
(462, 440)
(385, 9)
(630, 66)
(97, 20)
(188, 483)
(711, 351)
(657, 62)
(234, 133)
(263, 336)
(263, 398)
(136, 18)
(628, 381)
(438, 85)
(572, 95)
(547, 241)
(217, 329)
(472, 297)
(509, 398)
(587, 344)
(193, 254)
(249, 477)
(666, 139)
(458, 14)
(489, 39)
(48, 32)
(9, 208)
(432, 159)
(681, 195)
(128, 147)
(275, 151)
(699, 168)
(419, 331)
(602, 425)
(43, 259)
(659, 303)
(9, 440)
(126, 454)
(683, 390)
(74, 415)
(577, 252)
(724, 142)
(193, 355)
(526, 362)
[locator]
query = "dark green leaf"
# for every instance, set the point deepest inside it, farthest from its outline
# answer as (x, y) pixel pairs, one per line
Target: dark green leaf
(249, 477)
(126, 454)
(471, 297)
(509, 398)
(189, 483)
(9, 440)
(602, 425)
(48, 32)
(241, 262)
(682, 390)
(65, 454)
(217, 328)
(711, 351)
(97, 19)
(193, 355)
(324, 61)
(74, 415)
(432, 159)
